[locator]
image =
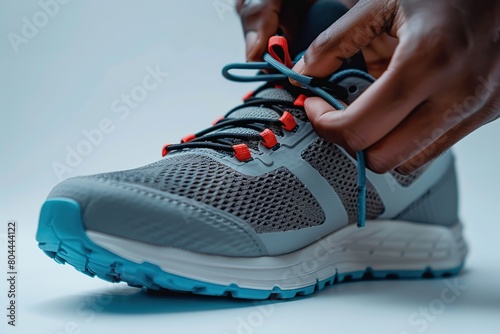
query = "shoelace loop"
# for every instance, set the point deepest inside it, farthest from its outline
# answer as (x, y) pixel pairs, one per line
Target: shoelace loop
(278, 59)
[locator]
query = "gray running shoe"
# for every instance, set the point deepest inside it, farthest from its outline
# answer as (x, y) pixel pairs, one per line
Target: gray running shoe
(257, 206)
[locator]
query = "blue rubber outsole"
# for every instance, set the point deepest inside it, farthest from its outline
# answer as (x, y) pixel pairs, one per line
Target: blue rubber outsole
(61, 236)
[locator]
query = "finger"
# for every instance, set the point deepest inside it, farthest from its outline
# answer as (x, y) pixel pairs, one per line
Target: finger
(399, 90)
(488, 113)
(465, 102)
(322, 117)
(386, 103)
(344, 38)
(418, 140)
(378, 54)
(486, 98)
(260, 21)
(423, 127)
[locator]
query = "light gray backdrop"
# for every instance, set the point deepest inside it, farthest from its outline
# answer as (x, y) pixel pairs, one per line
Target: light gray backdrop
(67, 69)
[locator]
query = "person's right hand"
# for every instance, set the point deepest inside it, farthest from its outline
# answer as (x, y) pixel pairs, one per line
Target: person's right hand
(442, 82)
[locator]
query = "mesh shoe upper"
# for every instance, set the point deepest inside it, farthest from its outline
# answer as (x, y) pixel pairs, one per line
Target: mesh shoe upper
(273, 202)
(341, 174)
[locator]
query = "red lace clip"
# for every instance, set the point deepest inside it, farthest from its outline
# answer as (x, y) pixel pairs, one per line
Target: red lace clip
(188, 138)
(247, 95)
(217, 120)
(165, 151)
(288, 121)
(269, 138)
(278, 49)
(242, 152)
(300, 100)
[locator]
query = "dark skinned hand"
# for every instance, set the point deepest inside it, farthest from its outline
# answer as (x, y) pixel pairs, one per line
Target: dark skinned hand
(441, 83)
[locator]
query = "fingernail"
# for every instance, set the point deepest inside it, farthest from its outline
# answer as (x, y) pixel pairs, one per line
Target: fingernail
(299, 66)
(306, 106)
(250, 42)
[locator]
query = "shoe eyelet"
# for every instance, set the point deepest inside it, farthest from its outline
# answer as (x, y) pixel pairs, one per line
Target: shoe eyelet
(165, 150)
(269, 139)
(352, 89)
(300, 100)
(188, 138)
(288, 122)
(242, 152)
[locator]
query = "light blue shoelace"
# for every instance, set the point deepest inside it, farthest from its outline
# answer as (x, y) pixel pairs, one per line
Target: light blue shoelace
(305, 82)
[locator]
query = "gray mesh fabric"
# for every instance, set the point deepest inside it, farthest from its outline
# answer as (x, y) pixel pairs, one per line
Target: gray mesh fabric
(145, 215)
(342, 175)
(254, 112)
(276, 93)
(254, 145)
(282, 94)
(276, 201)
(439, 205)
(264, 112)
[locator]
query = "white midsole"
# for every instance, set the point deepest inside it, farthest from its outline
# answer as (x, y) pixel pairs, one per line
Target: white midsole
(381, 245)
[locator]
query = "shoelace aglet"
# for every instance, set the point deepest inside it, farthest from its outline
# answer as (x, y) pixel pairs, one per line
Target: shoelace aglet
(361, 217)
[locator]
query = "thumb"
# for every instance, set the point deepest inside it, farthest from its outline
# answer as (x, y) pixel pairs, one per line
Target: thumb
(344, 38)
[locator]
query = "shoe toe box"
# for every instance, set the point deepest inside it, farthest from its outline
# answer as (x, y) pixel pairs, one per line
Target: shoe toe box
(146, 215)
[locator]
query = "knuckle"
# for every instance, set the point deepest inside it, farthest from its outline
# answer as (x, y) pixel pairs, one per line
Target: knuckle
(328, 132)
(379, 163)
(324, 131)
(354, 140)
(324, 41)
(442, 48)
(322, 45)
